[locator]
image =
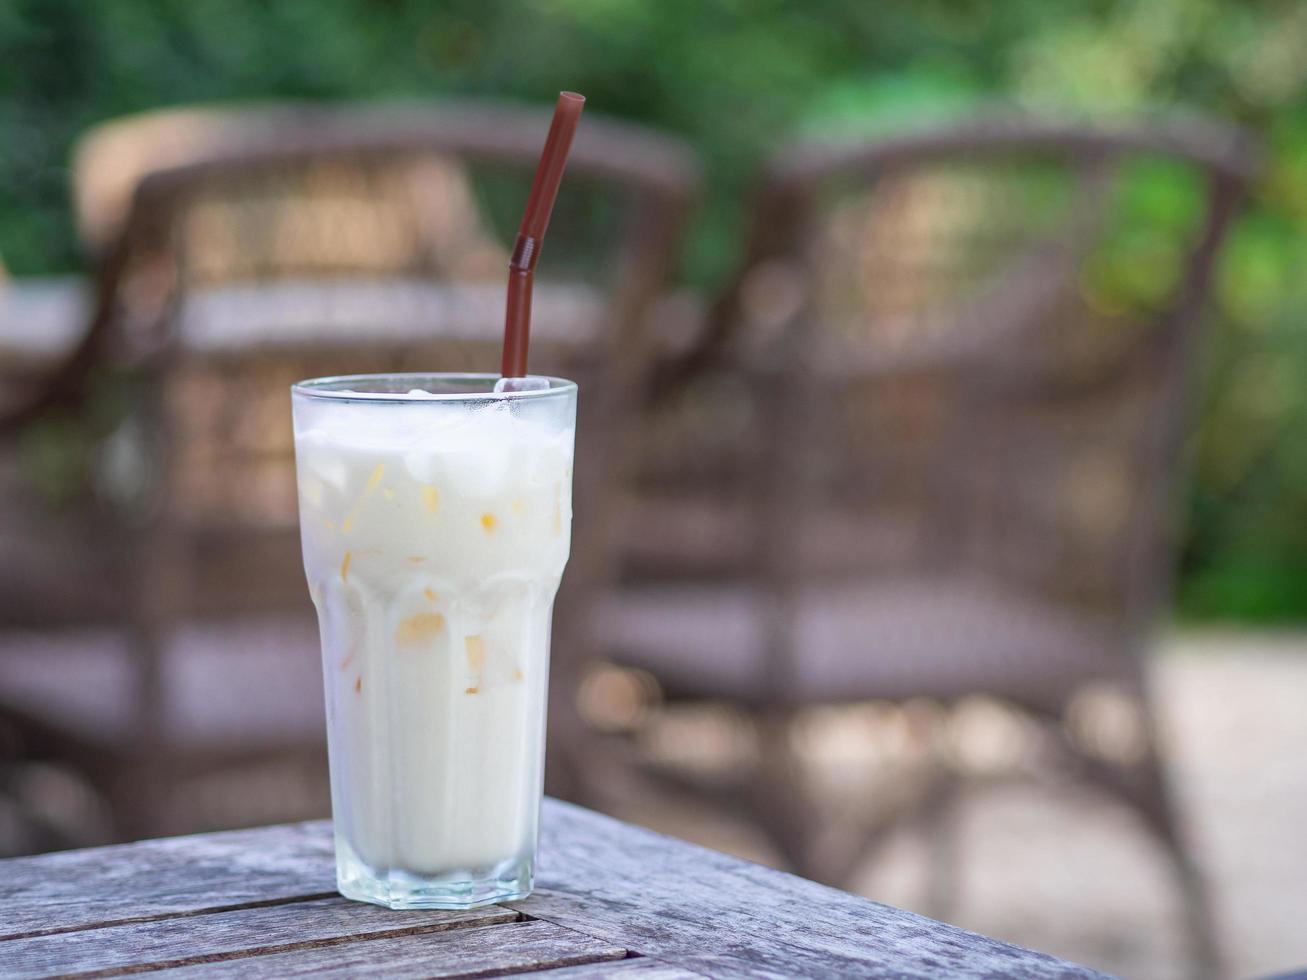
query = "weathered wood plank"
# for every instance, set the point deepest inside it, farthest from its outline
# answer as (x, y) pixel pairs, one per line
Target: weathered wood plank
(245, 932)
(683, 905)
(151, 879)
(713, 914)
(641, 968)
(519, 947)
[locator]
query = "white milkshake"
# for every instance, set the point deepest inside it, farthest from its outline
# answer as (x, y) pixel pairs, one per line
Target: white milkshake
(435, 531)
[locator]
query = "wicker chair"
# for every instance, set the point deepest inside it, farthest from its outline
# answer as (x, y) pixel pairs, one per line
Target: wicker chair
(931, 450)
(237, 251)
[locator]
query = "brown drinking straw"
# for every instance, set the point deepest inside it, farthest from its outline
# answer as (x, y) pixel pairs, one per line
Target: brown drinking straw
(526, 252)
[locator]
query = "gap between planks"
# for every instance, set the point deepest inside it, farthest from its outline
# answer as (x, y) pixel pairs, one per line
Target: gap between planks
(180, 914)
(259, 960)
(516, 918)
(211, 910)
(255, 952)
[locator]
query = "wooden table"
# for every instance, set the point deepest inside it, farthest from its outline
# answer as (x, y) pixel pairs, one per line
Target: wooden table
(612, 901)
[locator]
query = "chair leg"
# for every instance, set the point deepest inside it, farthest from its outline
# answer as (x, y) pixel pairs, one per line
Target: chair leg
(1158, 805)
(1146, 789)
(781, 806)
(938, 817)
(137, 787)
(777, 797)
(566, 775)
(577, 764)
(932, 812)
(135, 801)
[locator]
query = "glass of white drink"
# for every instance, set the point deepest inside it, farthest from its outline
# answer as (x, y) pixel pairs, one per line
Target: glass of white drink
(435, 515)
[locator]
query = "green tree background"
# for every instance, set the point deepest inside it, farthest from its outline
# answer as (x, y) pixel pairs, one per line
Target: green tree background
(736, 77)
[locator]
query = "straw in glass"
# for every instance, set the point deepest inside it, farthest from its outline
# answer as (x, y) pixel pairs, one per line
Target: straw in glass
(526, 251)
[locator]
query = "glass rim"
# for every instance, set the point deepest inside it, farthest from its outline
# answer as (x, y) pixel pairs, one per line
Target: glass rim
(340, 388)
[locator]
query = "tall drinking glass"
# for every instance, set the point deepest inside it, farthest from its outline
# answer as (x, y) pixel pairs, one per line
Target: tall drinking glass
(435, 515)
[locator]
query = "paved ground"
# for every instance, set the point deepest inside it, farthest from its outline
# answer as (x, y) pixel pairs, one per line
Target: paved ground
(1068, 872)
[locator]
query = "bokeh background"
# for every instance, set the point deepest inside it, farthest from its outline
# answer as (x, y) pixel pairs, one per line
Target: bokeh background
(737, 80)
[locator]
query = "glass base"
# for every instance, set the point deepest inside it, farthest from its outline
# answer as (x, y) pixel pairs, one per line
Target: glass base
(468, 888)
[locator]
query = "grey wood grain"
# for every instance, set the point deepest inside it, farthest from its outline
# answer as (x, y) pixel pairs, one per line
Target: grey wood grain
(519, 947)
(682, 905)
(641, 968)
(244, 932)
(129, 882)
(713, 914)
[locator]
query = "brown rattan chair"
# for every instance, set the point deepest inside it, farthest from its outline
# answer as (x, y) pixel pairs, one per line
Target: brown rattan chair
(239, 250)
(932, 450)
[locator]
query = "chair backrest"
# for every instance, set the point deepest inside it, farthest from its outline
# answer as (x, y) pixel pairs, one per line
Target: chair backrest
(979, 343)
(243, 249)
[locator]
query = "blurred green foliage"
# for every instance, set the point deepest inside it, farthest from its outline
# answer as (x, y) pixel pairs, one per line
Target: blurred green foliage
(736, 77)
